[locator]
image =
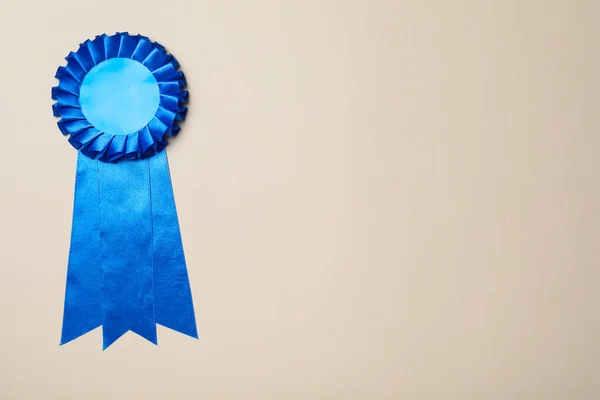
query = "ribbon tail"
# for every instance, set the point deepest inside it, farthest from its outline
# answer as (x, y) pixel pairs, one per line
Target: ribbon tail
(172, 294)
(127, 256)
(83, 293)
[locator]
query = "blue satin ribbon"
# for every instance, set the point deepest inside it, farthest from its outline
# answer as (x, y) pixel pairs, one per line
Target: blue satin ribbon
(172, 294)
(119, 97)
(126, 268)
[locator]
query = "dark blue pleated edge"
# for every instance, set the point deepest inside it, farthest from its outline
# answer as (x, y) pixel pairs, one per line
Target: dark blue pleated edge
(104, 146)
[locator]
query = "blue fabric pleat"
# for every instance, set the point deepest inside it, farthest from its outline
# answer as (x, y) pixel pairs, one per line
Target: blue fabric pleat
(127, 268)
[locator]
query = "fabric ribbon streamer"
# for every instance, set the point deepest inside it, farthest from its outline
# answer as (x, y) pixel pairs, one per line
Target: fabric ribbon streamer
(119, 98)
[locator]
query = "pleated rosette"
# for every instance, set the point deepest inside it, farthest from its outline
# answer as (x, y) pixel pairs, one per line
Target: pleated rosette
(105, 146)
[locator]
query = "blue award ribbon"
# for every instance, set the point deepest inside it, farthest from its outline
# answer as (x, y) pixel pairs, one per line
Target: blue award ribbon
(119, 97)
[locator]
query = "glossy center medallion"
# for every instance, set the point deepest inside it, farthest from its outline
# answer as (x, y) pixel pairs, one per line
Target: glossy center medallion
(119, 96)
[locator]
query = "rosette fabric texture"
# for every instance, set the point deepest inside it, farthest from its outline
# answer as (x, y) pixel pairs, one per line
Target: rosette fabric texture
(105, 146)
(119, 98)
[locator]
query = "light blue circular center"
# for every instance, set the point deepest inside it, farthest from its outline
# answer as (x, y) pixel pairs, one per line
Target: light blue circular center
(119, 96)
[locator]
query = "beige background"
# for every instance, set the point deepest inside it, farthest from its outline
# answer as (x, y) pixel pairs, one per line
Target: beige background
(378, 200)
